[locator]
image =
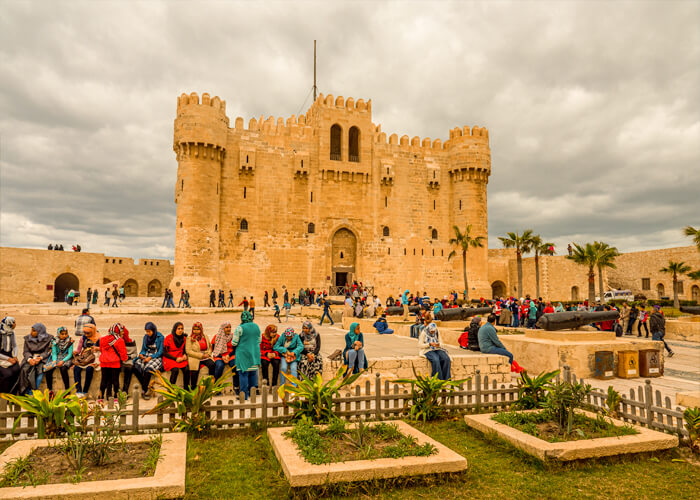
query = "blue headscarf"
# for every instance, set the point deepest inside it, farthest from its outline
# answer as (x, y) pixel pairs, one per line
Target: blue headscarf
(150, 339)
(353, 336)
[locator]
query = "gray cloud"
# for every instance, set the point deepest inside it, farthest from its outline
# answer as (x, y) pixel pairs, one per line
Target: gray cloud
(592, 107)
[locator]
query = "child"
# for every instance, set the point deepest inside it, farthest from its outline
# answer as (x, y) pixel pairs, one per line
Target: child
(276, 308)
(287, 310)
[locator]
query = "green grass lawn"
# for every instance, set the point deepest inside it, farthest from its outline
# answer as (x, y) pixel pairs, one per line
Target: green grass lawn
(241, 464)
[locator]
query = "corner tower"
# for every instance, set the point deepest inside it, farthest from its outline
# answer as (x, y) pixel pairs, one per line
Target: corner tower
(469, 168)
(201, 131)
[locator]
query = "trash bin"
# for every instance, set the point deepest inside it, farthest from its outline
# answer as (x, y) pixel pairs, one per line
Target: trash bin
(604, 365)
(628, 364)
(650, 363)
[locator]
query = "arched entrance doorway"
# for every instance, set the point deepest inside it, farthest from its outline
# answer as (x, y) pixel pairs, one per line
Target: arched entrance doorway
(695, 293)
(155, 289)
(343, 255)
(574, 293)
(498, 289)
(63, 284)
(131, 288)
(660, 290)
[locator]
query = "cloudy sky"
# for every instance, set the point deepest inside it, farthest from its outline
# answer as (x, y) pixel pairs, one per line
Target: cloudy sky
(593, 107)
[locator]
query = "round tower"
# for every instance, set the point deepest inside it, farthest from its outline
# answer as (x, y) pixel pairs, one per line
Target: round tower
(469, 168)
(199, 143)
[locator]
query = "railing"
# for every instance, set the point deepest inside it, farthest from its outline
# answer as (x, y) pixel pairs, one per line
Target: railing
(354, 158)
(335, 156)
(374, 400)
(341, 290)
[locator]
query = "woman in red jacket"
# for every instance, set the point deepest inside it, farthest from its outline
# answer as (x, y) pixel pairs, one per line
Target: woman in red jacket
(268, 356)
(112, 354)
(174, 357)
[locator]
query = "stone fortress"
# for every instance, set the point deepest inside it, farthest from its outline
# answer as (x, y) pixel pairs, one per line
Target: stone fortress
(323, 199)
(319, 200)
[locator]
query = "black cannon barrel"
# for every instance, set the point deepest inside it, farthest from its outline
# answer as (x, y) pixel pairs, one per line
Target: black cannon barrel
(397, 310)
(690, 309)
(335, 302)
(461, 313)
(574, 319)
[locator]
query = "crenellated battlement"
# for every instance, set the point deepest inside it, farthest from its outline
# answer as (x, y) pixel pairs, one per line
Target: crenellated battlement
(348, 104)
(185, 101)
(478, 136)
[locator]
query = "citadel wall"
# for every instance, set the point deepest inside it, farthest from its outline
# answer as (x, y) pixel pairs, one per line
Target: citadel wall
(281, 203)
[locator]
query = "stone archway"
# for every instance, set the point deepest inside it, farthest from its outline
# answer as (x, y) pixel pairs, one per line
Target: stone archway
(131, 288)
(660, 290)
(155, 288)
(64, 283)
(498, 289)
(574, 293)
(343, 256)
(695, 293)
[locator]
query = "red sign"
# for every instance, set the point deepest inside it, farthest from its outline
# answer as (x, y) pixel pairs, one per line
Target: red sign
(49, 287)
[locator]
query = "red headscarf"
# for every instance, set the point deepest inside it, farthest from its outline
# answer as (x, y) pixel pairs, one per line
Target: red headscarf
(201, 331)
(119, 330)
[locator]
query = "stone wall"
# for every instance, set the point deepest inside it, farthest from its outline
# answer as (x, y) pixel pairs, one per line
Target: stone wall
(30, 276)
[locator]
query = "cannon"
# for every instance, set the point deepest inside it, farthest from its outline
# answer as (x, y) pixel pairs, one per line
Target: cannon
(574, 319)
(690, 309)
(461, 313)
(335, 302)
(398, 310)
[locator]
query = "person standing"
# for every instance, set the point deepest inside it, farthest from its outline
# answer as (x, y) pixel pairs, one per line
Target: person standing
(171, 296)
(287, 310)
(181, 302)
(246, 340)
(657, 322)
(251, 307)
(286, 295)
(266, 300)
(643, 317)
(274, 294)
(94, 296)
(212, 298)
(9, 363)
(83, 320)
(633, 315)
(165, 299)
(230, 298)
(326, 312)
(112, 354)
(89, 297)
(122, 294)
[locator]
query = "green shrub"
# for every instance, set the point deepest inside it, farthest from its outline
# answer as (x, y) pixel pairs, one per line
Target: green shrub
(54, 415)
(532, 391)
(563, 399)
(425, 393)
(692, 424)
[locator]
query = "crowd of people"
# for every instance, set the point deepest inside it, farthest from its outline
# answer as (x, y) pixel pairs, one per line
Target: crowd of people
(244, 348)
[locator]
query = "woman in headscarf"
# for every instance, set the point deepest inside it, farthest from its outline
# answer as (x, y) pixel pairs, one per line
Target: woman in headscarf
(246, 340)
(431, 347)
(85, 358)
(198, 350)
(222, 351)
(37, 348)
(61, 357)
(150, 358)
(112, 353)
(268, 356)
(310, 361)
(131, 354)
(9, 364)
(559, 308)
(354, 352)
(174, 357)
(289, 346)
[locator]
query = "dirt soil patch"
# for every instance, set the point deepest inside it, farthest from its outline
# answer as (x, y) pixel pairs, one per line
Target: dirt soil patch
(126, 463)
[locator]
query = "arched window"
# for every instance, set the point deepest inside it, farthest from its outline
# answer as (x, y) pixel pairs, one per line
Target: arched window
(336, 133)
(354, 144)
(311, 228)
(385, 231)
(433, 235)
(244, 225)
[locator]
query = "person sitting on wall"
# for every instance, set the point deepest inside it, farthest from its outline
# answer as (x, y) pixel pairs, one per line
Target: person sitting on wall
(470, 337)
(354, 353)
(150, 359)
(382, 326)
(37, 349)
(431, 347)
(489, 343)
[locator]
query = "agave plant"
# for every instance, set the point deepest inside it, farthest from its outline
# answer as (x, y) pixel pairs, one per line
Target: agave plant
(692, 423)
(612, 402)
(312, 398)
(189, 403)
(532, 390)
(425, 393)
(54, 415)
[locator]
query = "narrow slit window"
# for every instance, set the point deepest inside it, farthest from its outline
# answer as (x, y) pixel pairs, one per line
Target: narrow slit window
(245, 192)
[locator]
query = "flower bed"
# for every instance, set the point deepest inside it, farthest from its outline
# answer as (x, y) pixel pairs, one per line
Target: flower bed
(582, 448)
(135, 473)
(392, 449)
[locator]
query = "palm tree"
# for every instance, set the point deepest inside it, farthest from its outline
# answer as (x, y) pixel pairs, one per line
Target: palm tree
(675, 268)
(586, 256)
(540, 248)
(522, 244)
(605, 255)
(693, 233)
(695, 275)
(463, 242)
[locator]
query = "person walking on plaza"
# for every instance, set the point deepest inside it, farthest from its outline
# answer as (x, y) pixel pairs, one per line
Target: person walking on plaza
(643, 317)
(81, 321)
(266, 300)
(165, 299)
(115, 296)
(430, 347)
(171, 298)
(95, 295)
(106, 303)
(657, 322)
(632, 318)
(244, 303)
(89, 297)
(222, 299)
(122, 294)
(286, 295)
(276, 309)
(181, 302)
(287, 310)
(489, 343)
(246, 340)
(187, 299)
(212, 298)
(326, 312)
(274, 294)
(251, 307)
(230, 298)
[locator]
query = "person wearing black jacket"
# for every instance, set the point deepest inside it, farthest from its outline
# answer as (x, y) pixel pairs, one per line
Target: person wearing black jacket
(657, 322)
(634, 314)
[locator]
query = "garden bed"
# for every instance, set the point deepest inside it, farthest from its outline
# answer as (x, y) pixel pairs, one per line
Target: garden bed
(394, 449)
(130, 473)
(578, 447)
